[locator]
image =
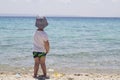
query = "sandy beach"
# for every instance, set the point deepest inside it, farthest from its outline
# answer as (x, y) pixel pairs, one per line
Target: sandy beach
(12, 73)
(60, 76)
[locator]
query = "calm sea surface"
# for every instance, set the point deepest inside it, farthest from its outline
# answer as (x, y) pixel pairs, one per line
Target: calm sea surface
(75, 42)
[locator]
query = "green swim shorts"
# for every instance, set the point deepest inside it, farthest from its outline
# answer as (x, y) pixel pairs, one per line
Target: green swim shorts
(39, 54)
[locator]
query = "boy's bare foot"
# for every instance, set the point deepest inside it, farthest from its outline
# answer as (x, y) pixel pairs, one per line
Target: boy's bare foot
(34, 76)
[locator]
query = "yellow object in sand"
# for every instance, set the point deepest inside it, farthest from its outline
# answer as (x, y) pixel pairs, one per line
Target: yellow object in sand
(56, 74)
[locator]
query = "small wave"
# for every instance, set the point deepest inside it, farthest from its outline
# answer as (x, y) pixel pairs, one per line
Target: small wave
(71, 55)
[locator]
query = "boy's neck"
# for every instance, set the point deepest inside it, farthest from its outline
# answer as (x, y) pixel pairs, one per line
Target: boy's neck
(40, 29)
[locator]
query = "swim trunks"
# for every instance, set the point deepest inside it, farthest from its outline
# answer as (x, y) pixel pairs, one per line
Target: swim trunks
(39, 54)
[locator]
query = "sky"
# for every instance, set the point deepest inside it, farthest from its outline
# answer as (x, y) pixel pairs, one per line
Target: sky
(81, 8)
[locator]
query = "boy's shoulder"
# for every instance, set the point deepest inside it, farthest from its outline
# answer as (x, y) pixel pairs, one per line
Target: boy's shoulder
(41, 32)
(44, 33)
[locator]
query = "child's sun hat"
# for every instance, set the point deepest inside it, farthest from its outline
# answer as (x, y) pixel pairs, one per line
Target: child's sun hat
(41, 22)
(39, 17)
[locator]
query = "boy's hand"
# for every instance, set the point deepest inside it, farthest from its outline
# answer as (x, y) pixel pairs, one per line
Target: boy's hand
(47, 46)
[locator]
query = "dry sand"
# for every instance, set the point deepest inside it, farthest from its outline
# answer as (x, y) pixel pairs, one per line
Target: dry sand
(53, 75)
(25, 73)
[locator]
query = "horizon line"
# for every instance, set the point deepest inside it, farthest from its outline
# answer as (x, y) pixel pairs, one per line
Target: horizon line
(61, 16)
(33, 15)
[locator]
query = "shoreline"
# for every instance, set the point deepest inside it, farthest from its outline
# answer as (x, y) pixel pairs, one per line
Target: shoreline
(25, 73)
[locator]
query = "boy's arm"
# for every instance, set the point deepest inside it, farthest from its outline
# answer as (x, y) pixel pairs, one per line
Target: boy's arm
(47, 46)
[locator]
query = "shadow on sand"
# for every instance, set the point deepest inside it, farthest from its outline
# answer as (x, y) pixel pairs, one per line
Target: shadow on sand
(42, 78)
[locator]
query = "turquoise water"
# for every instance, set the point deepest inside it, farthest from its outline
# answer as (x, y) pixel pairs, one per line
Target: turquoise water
(75, 42)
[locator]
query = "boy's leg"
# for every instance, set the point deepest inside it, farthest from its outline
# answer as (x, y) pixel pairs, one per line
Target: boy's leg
(36, 66)
(43, 65)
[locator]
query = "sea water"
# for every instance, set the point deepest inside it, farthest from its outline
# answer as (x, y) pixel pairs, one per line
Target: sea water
(75, 42)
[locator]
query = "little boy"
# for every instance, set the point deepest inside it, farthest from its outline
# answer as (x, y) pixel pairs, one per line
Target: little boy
(41, 46)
